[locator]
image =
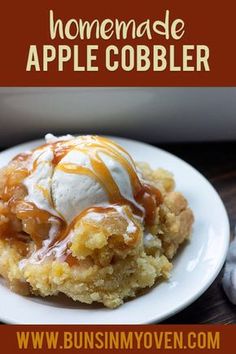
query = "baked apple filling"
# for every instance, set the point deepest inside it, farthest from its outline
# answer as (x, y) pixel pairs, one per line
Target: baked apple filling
(78, 216)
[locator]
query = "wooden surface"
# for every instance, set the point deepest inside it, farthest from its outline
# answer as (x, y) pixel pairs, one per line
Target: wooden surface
(217, 162)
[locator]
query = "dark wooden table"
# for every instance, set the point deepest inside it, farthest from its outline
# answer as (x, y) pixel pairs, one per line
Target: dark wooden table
(217, 162)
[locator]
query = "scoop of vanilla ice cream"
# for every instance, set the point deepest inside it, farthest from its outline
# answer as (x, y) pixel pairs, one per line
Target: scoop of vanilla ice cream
(67, 194)
(38, 183)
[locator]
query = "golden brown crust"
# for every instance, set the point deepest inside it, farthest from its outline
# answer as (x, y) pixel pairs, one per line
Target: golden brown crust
(110, 267)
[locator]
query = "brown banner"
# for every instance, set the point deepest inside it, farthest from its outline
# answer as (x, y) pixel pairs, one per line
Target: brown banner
(110, 339)
(118, 43)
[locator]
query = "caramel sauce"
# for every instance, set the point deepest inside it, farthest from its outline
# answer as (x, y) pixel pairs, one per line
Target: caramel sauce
(72, 261)
(147, 196)
(36, 222)
(150, 197)
(21, 242)
(62, 240)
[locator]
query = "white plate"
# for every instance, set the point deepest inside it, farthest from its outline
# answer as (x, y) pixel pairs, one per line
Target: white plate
(195, 267)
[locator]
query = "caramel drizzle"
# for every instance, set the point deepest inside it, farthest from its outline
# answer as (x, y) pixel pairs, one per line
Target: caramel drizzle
(62, 239)
(147, 197)
(92, 147)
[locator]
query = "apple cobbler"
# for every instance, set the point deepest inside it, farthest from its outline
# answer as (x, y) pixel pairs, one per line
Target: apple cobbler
(78, 216)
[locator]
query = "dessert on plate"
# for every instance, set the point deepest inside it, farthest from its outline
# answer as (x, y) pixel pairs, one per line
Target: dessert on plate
(78, 216)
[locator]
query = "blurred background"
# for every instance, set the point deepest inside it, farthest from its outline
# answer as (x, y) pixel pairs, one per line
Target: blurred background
(155, 115)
